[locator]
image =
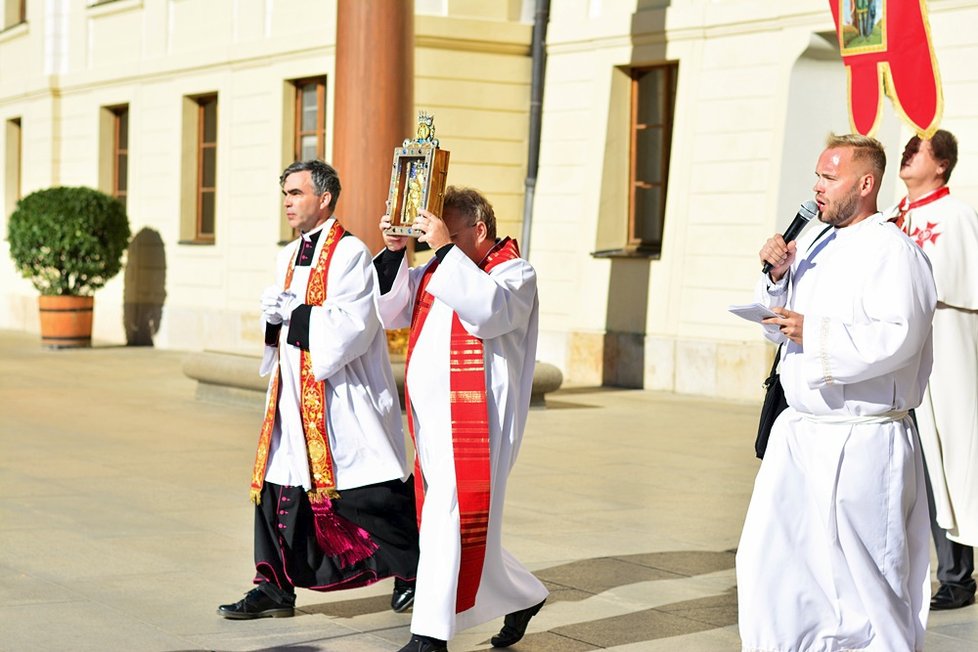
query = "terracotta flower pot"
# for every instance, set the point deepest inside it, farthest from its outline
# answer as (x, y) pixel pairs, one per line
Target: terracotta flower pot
(66, 321)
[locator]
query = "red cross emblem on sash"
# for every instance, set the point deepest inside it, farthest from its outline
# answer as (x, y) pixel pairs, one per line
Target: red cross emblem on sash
(921, 236)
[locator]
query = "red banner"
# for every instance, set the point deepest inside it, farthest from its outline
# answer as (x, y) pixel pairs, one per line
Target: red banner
(886, 48)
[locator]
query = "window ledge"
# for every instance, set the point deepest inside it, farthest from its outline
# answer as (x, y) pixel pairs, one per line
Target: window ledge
(628, 252)
(13, 31)
(106, 7)
(196, 242)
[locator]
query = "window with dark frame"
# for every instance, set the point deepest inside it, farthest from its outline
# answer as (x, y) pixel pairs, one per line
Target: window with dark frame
(18, 149)
(310, 119)
(14, 159)
(14, 13)
(653, 99)
(120, 152)
(309, 130)
(206, 166)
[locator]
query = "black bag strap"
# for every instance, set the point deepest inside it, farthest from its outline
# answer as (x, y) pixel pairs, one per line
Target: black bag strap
(773, 376)
(819, 237)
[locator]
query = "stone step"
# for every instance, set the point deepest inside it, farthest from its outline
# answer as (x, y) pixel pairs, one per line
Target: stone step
(232, 378)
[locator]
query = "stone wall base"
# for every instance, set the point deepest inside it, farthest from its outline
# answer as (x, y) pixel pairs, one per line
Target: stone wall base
(233, 379)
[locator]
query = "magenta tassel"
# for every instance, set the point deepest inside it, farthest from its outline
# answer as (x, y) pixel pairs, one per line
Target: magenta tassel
(338, 537)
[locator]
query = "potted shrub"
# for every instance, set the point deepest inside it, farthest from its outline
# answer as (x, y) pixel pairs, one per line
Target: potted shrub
(69, 241)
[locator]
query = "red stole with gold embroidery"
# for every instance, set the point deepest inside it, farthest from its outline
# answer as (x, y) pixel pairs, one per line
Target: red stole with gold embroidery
(336, 536)
(470, 428)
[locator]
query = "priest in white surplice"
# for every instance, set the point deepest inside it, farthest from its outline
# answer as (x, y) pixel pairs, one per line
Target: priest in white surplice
(947, 230)
(333, 509)
(834, 554)
(473, 316)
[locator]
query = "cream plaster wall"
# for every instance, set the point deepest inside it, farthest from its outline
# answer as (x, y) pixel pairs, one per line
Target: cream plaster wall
(472, 70)
(737, 160)
(477, 83)
(119, 55)
(729, 177)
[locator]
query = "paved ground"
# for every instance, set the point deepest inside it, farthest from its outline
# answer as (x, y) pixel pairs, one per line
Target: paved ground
(124, 519)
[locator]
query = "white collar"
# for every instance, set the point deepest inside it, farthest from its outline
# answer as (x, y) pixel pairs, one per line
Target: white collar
(308, 234)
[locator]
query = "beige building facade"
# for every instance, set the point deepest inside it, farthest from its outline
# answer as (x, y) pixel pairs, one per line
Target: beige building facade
(757, 87)
(211, 91)
(677, 135)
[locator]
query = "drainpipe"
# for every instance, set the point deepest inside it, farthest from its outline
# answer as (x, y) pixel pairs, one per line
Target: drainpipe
(539, 52)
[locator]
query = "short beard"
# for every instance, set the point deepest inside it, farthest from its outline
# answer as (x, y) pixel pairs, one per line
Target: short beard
(845, 210)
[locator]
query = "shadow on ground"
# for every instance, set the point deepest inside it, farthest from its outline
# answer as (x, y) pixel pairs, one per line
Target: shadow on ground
(300, 647)
(580, 580)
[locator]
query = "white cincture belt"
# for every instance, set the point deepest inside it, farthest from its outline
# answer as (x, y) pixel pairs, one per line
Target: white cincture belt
(886, 417)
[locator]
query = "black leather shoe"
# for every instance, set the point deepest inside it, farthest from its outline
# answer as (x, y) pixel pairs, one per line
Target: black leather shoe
(949, 596)
(424, 644)
(403, 596)
(257, 604)
(514, 626)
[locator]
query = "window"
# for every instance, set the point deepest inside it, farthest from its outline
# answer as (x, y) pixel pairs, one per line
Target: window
(198, 169)
(14, 12)
(12, 161)
(303, 130)
(206, 166)
(120, 153)
(653, 96)
(310, 119)
(113, 152)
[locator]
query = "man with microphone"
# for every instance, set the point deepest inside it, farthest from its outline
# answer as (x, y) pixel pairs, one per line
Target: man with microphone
(834, 553)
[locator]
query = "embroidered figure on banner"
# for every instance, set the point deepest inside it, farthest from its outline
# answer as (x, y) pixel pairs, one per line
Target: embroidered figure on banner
(864, 26)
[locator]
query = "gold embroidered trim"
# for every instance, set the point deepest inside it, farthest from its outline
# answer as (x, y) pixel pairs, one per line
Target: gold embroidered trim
(312, 396)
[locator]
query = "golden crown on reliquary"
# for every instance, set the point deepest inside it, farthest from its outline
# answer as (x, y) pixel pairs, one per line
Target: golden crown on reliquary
(418, 175)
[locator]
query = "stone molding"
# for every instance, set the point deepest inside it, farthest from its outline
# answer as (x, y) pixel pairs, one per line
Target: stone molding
(231, 378)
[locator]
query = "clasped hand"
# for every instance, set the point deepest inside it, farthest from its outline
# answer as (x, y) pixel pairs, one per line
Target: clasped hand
(277, 305)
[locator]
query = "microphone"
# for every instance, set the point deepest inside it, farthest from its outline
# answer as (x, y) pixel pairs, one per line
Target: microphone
(806, 212)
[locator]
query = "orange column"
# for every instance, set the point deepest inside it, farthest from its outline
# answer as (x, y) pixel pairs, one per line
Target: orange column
(373, 106)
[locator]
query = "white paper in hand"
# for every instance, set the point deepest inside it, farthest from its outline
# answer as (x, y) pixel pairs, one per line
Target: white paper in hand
(753, 312)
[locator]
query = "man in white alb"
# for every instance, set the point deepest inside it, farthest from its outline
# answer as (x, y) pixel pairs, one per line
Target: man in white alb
(332, 508)
(834, 554)
(947, 230)
(473, 316)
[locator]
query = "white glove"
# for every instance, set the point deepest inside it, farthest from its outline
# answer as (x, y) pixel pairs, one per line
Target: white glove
(278, 309)
(287, 302)
(270, 304)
